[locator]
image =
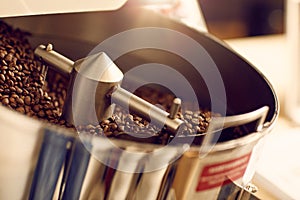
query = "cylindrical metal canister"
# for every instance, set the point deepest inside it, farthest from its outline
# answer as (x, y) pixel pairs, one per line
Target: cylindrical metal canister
(187, 172)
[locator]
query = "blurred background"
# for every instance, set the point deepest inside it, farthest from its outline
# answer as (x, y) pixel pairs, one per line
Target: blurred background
(242, 18)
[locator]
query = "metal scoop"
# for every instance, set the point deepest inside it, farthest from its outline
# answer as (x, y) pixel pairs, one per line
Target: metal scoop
(97, 76)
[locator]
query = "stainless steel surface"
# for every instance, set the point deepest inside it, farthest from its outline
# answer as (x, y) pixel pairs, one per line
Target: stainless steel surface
(92, 79)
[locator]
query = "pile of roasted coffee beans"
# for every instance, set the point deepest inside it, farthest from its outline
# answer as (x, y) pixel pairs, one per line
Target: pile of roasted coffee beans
(123, 122)
(29, 87)
(22, 78)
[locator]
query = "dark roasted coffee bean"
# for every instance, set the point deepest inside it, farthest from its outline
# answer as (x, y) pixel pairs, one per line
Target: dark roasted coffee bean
(5, 101)
(2, 54)
(21, 110)
(9, 57)
(10, 82)
(18, 90)
(11, 74)
(106, 128)
(28, 109)
(41, 92)
(41, 113)
(26, 72)
(4, 62)
(49, 112)
(11, 68)
(14, 95)
(12, 100)
(4, 67)
(105, 122)
(18, 78)
(25, 92)
(2, 77)
(36, 108)
(113, 126)
(20, 101)
(12, 89)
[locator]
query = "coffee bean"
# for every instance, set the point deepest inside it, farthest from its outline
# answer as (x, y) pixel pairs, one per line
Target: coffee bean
(10, 82)
(2, 77)
(49, 112)
(41, 92)
(8, 57)
(5, 101)
(18, 90)
(21, 110)
(28, 109)
(56, 104)
(2, 54)
(195, 121)
(27, 100)
(25, 91)
(113, 126)
(18, 78)
(11, 68)
(14, 95)
(105, 122)
(41, 113)
(12, 100)
(12, 89)
(11, 74)
(4, 62)
(188, 112)
(26, 72)
(189, 125)
(20, 101)
(36, 108)
(105, 128)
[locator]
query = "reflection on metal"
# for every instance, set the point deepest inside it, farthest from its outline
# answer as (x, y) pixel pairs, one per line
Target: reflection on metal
(51, 159)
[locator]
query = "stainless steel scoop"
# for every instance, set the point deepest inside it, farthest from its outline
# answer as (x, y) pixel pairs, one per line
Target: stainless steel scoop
(97, 76)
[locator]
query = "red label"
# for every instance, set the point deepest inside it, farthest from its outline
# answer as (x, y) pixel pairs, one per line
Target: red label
(222, 173)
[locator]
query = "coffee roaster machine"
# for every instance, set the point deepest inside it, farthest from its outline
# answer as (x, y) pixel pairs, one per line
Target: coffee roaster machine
(44, 161)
